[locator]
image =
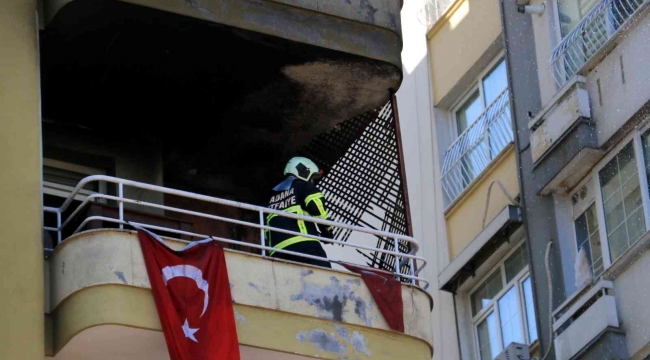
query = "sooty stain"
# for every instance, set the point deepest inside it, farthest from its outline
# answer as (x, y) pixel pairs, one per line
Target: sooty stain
(120, 275)
(322, 340)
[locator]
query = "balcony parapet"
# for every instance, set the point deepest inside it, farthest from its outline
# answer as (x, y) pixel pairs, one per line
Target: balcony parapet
(99, 277)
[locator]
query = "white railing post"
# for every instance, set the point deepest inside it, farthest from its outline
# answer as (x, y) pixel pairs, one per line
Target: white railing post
(412, 271)
(397, 262)
(58, 227)
(262, 242)
(120, 194)
(401, 259)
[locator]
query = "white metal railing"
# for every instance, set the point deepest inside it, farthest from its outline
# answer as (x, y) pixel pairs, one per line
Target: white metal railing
(477, 146)
(416, 263)
(590, 35)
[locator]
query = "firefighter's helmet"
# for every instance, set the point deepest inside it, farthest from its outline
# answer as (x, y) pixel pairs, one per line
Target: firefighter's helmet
(303, 169)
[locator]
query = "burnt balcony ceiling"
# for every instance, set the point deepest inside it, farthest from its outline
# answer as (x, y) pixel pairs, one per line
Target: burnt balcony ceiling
(230, 105)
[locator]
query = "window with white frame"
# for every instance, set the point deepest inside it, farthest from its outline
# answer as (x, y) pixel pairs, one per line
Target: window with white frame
(502, 306)
(616, 216)
(622, 203)
(487, 89)
(588, 238)
(570, 12)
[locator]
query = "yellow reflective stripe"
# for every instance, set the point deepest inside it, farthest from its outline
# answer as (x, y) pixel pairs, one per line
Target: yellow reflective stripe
(291, 241)
(296, 209)
(302, 227)
(321, 209)
(313, 197)
(270, 217)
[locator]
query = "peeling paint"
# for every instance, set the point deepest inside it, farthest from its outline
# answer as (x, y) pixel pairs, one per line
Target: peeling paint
(331, 343)
(358, 341)
(322, 340)
(331, 300)
(120, 275)
(240, 318)
(304, 273)
(341, 330)
(258, 289)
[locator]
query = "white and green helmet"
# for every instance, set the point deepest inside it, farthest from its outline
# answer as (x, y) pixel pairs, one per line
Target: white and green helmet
(302, 168)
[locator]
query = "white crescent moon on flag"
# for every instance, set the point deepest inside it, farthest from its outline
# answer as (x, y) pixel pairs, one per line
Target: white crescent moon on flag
(190, 272)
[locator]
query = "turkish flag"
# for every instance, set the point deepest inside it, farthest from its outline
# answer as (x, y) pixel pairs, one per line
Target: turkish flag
(387, 292)
(192, 295)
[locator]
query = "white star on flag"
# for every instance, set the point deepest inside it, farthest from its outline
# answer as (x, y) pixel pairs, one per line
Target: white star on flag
(189, 332)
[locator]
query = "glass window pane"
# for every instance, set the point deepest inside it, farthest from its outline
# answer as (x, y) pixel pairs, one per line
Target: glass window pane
(530, 310)
(587, 237)
(487, 338)
(495, 82)
(624, 216)
(645, 139)
(469, 112)
(510, 317)
(571, 12)
(516, 262)
(486, 292)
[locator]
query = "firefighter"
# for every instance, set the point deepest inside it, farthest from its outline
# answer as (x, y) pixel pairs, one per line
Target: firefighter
(298, 194)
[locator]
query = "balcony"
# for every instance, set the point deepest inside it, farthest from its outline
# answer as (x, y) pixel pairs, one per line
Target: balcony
(592, 36)
(254, 81)
(98, 290)
(587, 323)
(477, 147)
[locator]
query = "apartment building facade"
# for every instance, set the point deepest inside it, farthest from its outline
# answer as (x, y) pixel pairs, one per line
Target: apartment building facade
(580, 100)
(455, 75)
(180, 116)
(572, 173)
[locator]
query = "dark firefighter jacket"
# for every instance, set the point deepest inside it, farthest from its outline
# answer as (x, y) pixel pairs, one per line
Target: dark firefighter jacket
(298, 197)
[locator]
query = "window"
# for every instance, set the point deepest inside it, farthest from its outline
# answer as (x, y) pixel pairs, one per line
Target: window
(622, 203)
(615, 215)
(489, 87)
(587, 237)
(571, 12)
(502, 306)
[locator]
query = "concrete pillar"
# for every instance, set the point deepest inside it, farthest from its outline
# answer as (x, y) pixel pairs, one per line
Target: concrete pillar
(21, 255)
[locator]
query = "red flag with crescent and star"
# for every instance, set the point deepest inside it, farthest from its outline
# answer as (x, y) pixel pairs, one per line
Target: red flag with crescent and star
(192, 295)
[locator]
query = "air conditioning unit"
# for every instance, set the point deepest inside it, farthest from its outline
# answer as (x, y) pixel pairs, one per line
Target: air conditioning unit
(514, 351)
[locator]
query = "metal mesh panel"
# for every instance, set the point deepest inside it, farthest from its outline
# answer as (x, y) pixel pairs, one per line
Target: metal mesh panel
(362, 181)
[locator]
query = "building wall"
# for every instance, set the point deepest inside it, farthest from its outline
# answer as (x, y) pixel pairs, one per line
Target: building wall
(421, 156)
(458, 40)
(21, 254)
(632, 293)
(465, 218)
(620, 84)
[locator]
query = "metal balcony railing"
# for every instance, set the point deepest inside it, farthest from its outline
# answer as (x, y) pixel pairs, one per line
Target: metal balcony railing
(477, 146)
(66, 217)
(593, 32)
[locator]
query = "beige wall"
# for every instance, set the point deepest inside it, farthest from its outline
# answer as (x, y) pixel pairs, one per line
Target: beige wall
(98, 277)
(464, 219)
(21, 254)
(458, 40)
